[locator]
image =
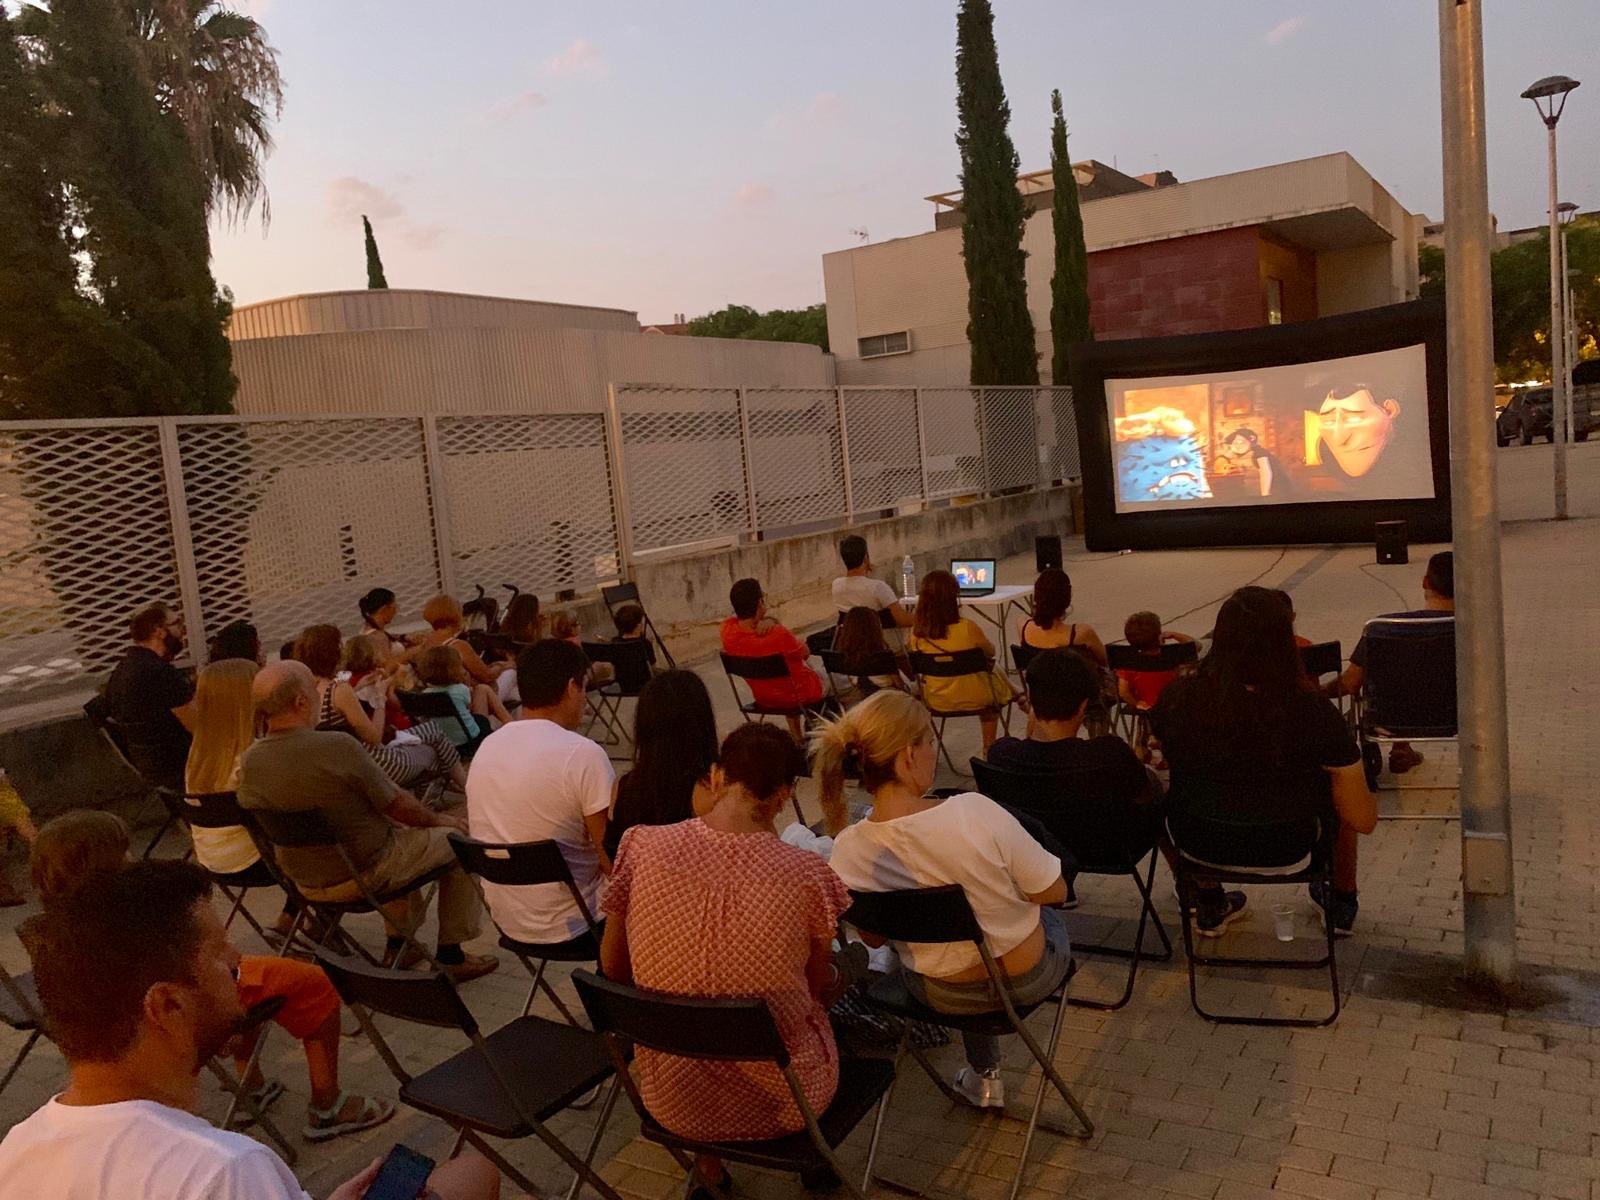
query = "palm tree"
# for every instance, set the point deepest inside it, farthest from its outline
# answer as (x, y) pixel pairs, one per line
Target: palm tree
(213, 69)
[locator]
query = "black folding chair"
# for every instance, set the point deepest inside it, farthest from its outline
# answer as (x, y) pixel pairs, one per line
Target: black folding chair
(1322, 659)
(859, 674)
(768, 666)
(1409, 694)
(116, 737)
(220, 810)
(735, 1030)
(19, 1010)
(439, 708)
(1103, 836)
(505, 1085)
(1208, 852)
(631, 671)
(1129, 720)
(618, 594)
(958, 664)
(309, 828)
(942, 915)
(531, 864)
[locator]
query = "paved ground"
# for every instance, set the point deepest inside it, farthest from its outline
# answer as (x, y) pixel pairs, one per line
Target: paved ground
(1399, 1099)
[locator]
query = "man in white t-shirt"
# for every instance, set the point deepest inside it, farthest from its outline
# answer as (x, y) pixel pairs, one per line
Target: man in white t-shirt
(537, 779)
(136, 978)
(857, 588)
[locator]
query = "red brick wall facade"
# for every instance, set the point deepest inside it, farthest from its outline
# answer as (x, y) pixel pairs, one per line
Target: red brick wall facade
(1197, 284)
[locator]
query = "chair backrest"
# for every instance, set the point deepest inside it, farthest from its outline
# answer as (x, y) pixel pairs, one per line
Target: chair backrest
(426, 997)
(1170, 656)
(434, 706)
(1075, 809)
(295, 830)
(931, 914)
(821, 640)
(950, 664)
(1411, 674)
(629, 657)
(1022, 655)
(733, 1029)
(882, 663)
(1323, 658)
(514, 864)
(764, 666)
(209, 810)
(618, 594)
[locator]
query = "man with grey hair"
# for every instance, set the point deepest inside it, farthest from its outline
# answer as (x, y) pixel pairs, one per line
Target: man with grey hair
(391, 836)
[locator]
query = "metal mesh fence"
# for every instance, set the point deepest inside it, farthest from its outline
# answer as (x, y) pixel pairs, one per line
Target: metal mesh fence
(1009, 430)
(950, 441)
(529, 499)
(1058, 435)
(881, 428)
(682, 465)
(796, 456)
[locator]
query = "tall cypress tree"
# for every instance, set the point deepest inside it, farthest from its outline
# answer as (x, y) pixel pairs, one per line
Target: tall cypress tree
(999, 327)
(375, 277)
(1069, 286)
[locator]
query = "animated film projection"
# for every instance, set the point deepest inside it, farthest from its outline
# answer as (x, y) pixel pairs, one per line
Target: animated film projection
(1353, 428)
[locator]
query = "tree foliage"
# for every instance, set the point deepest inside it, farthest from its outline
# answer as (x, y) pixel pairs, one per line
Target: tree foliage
(808, 325)
(1069, 285)
(999, 326)
(1520, 287)
(375, 276)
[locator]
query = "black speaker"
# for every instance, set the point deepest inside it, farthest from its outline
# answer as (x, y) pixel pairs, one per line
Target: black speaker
(1390, 537)
(1047, 551)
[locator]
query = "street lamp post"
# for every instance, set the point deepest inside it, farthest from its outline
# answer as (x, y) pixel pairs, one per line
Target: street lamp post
(1569, 323)
(1549, 96)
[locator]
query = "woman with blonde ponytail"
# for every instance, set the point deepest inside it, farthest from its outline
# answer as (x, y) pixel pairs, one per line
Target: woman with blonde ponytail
(912, 840)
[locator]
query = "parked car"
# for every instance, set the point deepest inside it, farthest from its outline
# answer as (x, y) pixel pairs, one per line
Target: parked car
(1528, 414)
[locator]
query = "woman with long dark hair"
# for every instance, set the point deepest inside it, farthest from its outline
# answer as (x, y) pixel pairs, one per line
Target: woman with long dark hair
(1261, 763)
(939, 628)
(675, 747)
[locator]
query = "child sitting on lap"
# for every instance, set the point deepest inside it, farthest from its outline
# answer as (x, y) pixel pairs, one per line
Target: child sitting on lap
(1142, 689)
(439, 669)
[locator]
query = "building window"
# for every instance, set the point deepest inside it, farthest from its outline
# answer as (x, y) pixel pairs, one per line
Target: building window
(884, 343)
(1274, 301)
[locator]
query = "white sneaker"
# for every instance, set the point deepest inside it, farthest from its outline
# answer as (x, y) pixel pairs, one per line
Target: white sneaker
(981, 1089)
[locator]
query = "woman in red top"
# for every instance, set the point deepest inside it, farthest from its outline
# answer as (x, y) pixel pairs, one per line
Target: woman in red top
(750, 633)
(719, 906)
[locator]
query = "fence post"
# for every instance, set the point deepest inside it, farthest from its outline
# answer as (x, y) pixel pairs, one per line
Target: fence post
(194, 620)
(619, 490)
(844, 454)
(749, 465)
(439, 503)
(922, 444)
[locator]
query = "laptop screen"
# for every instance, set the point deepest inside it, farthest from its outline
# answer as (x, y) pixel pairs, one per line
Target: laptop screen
(973, 572)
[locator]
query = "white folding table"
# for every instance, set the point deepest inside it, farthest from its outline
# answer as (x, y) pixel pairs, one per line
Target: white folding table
(995, 611)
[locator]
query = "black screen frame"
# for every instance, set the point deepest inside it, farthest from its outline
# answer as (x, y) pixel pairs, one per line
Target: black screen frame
(1321, 522)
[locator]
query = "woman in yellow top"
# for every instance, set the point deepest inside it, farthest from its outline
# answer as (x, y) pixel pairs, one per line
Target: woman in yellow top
(15, 822)
(939, 628)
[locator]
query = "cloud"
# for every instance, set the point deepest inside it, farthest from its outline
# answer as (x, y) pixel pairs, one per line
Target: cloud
(1284, 30)
(822, 111)
(581, 57)
(752, 195)
(515, 106)
(350, 199)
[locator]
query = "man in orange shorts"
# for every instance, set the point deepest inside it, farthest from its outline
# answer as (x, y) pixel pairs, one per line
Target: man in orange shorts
(79, 844)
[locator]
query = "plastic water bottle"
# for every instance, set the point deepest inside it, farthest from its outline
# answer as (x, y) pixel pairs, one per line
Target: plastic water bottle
(908, 578)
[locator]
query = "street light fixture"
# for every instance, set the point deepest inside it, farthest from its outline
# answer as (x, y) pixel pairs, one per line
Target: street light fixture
(1549, 96)
(1568, 212)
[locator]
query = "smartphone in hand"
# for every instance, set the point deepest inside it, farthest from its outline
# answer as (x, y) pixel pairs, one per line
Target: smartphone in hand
(402, 1176)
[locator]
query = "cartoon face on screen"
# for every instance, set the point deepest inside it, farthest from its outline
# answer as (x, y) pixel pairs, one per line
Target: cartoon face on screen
(1159, 458)
(1356, 428)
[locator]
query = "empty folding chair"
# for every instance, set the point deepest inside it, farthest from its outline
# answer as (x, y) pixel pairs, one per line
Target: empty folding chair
(958, 664)
(507, 1084)
(531, 864)
(942, 915)
(735, 1030)
(19, 1010)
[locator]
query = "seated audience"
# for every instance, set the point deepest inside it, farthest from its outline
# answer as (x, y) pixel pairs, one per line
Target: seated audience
(370, 682)
(447, 623)
(152, 701)
(15, 822)
(439, 669)
(857, 588)
(79, 845)
(751, 633)
(674, 749)
(237, 639)
(1048, 627)
(629, 620)
(538, 779)
(407, 762)
(1259, 760)
(1141, 689)
(1438, 598)
(135, 976)
(378, 608)
(912, 840)
(391, 836)
(564, 627)
(775, 907)
(859, 639)
(522, 622)
(941, 629)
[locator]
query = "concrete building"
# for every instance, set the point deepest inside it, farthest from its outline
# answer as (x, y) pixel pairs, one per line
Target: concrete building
(413, 351)
(1286, 242)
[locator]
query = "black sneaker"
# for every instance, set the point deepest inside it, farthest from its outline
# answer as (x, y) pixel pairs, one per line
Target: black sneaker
(1342, 911)
(1215, 912)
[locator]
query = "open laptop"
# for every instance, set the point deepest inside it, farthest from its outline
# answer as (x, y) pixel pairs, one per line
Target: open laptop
(974, 576)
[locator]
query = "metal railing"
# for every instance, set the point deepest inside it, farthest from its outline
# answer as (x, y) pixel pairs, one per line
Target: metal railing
(286, 521)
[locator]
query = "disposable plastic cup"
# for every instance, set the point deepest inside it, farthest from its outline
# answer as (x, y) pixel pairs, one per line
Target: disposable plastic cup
(1283, 922)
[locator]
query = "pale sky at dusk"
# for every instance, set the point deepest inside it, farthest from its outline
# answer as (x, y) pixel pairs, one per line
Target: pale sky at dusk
(679, 157)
